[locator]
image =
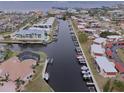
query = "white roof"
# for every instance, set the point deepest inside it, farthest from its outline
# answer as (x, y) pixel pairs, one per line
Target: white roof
(97, 49)
(105, 64)
(100, 40)
(114, 37)
(81, 26)
(50, 20)
(90, 30)
(37, 28)
(96, 35)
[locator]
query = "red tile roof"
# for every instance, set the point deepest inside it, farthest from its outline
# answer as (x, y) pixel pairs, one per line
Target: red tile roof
(119, 67)
(109, 52)
(109, 45)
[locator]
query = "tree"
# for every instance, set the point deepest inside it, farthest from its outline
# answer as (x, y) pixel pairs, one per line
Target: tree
(105, 34)
(64, 17)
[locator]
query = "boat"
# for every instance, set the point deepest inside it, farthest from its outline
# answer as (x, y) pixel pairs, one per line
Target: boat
(80, 57)
(82, 62)
(76, 43)
(92, 89)
(46, 76)
(84, 68)
(78, 49)
(51, 61)
(83, 72)
(90, 83)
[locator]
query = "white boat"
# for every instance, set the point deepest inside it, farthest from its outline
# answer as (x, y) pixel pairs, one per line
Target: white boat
(51, 61)
(83, 72)
(46, 76)
(84, 68)
(79, 57)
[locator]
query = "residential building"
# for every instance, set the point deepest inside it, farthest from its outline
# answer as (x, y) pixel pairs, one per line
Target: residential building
(97, 50)
(105, 67)
(30, 34)
(100, 41)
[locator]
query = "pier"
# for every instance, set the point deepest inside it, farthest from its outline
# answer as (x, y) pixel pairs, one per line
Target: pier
(44, 69)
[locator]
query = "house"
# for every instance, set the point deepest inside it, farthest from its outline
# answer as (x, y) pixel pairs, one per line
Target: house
(13, 69)
(99, 41)
(89, 30)
(104, 67)
(108, 53)
(81, 27)
(109, 45)
(30, 34)
(114, 38)
(97, 50)
(47, 24)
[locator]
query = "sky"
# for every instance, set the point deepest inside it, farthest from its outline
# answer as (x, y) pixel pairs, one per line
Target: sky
(45, 5)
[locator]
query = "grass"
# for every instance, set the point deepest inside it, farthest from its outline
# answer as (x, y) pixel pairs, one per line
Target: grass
(10, 54)
(101, 81)
(5, 33)
(38, 84)
(120, 53)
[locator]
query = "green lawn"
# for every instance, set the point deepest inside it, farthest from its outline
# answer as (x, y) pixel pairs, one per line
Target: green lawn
(38, 84)
(120, 53)
(10, 54)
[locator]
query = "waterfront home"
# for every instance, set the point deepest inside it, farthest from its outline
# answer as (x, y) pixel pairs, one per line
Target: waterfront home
(104, 67)
(17, 70)
(81, 27)
(90, 30)
(12, 68)
(47, 24)
(97, 50)
(29, 34)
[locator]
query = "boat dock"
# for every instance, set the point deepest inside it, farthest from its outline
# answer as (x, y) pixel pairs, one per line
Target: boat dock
(89, 79)
(44, 73)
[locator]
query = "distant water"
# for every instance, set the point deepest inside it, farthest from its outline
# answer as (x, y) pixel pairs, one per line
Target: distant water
(45, 5)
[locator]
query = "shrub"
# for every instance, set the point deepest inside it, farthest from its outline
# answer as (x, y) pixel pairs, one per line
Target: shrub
(105, 34)
(107, 86)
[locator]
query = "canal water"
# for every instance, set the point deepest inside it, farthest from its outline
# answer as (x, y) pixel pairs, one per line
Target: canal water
(65, 72)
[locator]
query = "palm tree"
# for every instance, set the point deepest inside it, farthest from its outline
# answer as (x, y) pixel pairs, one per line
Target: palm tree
(18, 83)
(6, 77)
